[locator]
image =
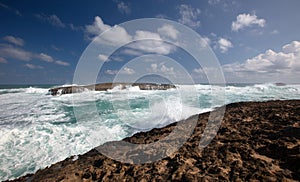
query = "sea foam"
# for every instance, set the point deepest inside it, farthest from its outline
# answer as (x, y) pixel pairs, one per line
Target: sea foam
(39, 129)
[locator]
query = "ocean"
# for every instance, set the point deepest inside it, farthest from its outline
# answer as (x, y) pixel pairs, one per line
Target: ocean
(38, 129)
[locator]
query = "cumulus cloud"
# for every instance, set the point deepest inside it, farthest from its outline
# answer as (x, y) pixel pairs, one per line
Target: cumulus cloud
(3, 60)
(281, 64)
(189, 15)
(52, 19)
(97, 27)
(15, 40)
(124, 7)
(115, 36)
(32, 66)
(140, 42)
(168, 31)
(246, 20)
(224, 45)
(151, 43)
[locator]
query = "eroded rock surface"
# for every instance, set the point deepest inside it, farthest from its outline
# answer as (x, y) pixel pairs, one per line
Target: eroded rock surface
(256, 141)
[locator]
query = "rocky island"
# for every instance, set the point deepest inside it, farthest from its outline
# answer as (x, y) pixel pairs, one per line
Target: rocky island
(257, 141)
(106, 86)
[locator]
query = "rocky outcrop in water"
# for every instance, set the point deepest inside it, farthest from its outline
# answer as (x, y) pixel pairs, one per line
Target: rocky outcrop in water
(257, 141)
(106, 86)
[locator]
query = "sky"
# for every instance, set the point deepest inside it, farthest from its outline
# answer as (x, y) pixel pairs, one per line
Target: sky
(42, 42)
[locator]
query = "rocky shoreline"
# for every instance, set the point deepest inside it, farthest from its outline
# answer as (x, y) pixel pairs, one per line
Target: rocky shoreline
(106, 86)
(257, 141)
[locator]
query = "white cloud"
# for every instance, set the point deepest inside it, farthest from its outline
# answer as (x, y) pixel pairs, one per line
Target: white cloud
(15, 40)
(15, 11)
(145, 41)
(189, 15)
(124, 7)
(52, 19)
(151, 43)
(152, 46)
(132, 52)
(275, 65)
(8, 51)
(116, 36)
(32, 66)
(166, 69)
(45, 57)
(97, 27)
(199, 70)
(225, 5)
(274, 32)
(168, 31)
(214, 2)
(246, 20)
(154, 67)
(146, 35)
(127, 71)
(102, 57)
(204, 42)
(55, 48)
(224, 45)
(161, 68)
(207, 70)
(3, 60)
(162, 16)
(62, 63)
(116, 58)
(111, 72)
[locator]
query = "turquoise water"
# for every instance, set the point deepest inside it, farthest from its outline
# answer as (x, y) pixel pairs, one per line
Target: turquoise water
(38, 129)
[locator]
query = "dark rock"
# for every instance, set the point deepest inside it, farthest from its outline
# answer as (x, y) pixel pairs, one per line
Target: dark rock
(106, 86)
(280, 84)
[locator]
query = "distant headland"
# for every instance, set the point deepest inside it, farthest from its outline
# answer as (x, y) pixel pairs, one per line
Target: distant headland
(107, 86)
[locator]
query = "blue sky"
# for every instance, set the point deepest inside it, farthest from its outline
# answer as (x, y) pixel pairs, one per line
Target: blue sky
(254, 41)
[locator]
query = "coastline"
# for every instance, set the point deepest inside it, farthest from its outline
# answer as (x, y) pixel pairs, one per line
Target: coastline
(257, 140)
(107, 86)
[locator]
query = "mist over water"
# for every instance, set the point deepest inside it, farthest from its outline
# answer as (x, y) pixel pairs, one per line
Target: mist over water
(38, 130)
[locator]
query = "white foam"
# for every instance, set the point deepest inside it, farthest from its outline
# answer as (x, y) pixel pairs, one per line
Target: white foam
(36, 90)
(43, 125)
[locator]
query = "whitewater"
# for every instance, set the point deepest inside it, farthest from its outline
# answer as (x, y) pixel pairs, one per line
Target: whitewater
(38, 129)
